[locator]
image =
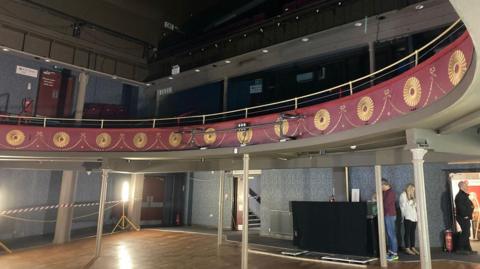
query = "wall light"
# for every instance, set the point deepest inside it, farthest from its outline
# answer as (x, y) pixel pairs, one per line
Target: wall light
(125, 189)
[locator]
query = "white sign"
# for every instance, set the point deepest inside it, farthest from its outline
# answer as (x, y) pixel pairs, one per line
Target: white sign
(165, 91)
(22, 70)
(176, 69)
(257, 87)
(355, 195)
(169, 25)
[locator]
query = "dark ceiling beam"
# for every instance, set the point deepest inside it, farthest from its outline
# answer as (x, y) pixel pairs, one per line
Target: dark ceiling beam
(234, 14)
(61, 14)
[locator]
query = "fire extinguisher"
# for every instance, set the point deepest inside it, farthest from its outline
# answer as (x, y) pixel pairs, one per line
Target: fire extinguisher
(177, 219)
(448, 240)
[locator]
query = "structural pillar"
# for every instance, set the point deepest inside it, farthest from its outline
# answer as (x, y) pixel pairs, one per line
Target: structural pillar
(221, 201)
(382, 247)
(82, 91)
(371, 56)
(423, 234)
(135, 199)
(101, 211)
(246, 162)
(63, 225)
(225, 94)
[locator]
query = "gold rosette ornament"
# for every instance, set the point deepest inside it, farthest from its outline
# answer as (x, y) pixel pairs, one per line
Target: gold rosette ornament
(365, 108)
(209, 136)
(140, 140)
(412, 92)
(61, 139)
(103, 140)
(15, 137)
(457, 67)
(322, 119)
(283, 124)
(175, 139)
(244, 137)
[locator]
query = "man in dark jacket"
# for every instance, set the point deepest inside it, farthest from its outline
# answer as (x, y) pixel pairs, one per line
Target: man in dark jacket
(390, 215)
(464, 210)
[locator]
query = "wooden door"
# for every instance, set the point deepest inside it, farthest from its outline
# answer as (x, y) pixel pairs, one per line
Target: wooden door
(48, 93)
(153, 200)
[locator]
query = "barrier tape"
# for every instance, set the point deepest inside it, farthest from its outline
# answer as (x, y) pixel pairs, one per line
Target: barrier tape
(48, 207)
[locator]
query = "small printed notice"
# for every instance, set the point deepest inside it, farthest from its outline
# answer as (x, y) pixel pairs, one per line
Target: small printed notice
(29, 72)
(355, 195)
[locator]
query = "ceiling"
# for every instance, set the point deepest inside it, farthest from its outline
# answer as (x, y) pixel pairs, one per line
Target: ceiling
(144, 19)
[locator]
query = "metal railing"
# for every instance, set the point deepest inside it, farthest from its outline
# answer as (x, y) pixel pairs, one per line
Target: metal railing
(347, 88)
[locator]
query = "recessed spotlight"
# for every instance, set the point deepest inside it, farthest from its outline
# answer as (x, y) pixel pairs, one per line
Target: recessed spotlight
(227, 61)
(278, 24)
(353, 146)
(305, 39)
(358, 24)
(197, 70)
(148, 84)
(170, 78)
(286, 9)
(114, 77)
(203, 148)
(317, 10)
(418, 7)
(244, 35)
(261, 30)
(216, 45)
(297, 17)
(265, 51)
(6, 49)
(47, 60)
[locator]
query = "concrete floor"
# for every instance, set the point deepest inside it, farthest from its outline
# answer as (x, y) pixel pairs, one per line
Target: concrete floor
(161, 249)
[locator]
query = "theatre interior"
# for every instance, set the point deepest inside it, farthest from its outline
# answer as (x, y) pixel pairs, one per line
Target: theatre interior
(239, 134)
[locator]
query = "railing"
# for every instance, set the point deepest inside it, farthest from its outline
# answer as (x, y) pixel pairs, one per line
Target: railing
(344, 89)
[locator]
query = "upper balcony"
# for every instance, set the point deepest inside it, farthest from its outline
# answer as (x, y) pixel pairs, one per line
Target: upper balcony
(430, 93)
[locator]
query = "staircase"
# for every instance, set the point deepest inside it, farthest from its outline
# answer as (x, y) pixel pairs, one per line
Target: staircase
(253, 220)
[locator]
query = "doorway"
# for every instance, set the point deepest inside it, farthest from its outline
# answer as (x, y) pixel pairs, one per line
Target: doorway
(473, 179)
(254, 202)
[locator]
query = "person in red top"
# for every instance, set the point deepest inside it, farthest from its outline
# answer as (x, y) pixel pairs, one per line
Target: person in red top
(390, 213)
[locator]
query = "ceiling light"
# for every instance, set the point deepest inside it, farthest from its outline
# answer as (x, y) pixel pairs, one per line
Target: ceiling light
(282, 159)
(297, 17)
(148, 84)
(286, 9)
(216, 45)
(265, 51)
(47, 60)
(261, 30)
(227, 61)
(6, 49)
(305, 39)
(418, 7)
(114, 77)
(197, 70)
(318, 10)
(170, 78)
(358, 24)
(235, 150)
(203, 148)
(278, 24)
(353, 146)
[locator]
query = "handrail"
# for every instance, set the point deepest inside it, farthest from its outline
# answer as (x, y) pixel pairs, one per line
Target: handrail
(153, 121)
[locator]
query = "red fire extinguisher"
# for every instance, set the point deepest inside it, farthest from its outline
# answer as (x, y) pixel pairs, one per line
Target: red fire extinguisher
(448, 240)
(177, 219)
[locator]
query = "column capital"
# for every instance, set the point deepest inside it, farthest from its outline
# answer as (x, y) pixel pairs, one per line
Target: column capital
(418, 153)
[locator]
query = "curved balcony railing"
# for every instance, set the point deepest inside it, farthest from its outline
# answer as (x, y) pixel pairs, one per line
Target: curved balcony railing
(335, 92)
(302, 117)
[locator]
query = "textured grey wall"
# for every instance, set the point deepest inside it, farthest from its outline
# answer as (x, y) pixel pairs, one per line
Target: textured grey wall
(436, 184)
(279, 186)
(205, 199)
(25, 188)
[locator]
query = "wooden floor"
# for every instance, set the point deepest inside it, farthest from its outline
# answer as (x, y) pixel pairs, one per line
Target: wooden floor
(159, 249)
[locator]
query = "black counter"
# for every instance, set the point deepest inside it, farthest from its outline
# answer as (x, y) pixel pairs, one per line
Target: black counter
(338, 227)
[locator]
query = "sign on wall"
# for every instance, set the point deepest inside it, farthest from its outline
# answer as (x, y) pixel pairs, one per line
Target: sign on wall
(257, 86)
(29, 72)
(176, 69)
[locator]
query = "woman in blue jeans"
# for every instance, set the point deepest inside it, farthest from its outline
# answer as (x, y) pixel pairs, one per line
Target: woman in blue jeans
(390, 213)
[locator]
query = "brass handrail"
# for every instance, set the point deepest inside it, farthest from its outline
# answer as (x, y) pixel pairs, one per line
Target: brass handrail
(246, 110)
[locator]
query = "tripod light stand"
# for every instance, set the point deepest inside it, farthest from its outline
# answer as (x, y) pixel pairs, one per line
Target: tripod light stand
(124, 221)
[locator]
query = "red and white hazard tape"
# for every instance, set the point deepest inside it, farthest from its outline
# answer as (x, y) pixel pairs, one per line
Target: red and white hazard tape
(48, 207)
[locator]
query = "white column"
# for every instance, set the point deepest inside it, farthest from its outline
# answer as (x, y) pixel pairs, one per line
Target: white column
(221, 200)
(135, 200)
(101, 211)
(380, 216)
(63, 225)
(246, 162)
(423, 234)
(82, 91)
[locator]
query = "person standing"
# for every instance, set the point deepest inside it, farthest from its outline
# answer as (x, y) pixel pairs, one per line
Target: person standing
(464, 210)
(390, 213)
(408, 207)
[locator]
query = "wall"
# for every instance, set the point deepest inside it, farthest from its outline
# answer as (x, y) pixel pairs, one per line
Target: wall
(436, 184)
(279, 186)
(204, 187)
